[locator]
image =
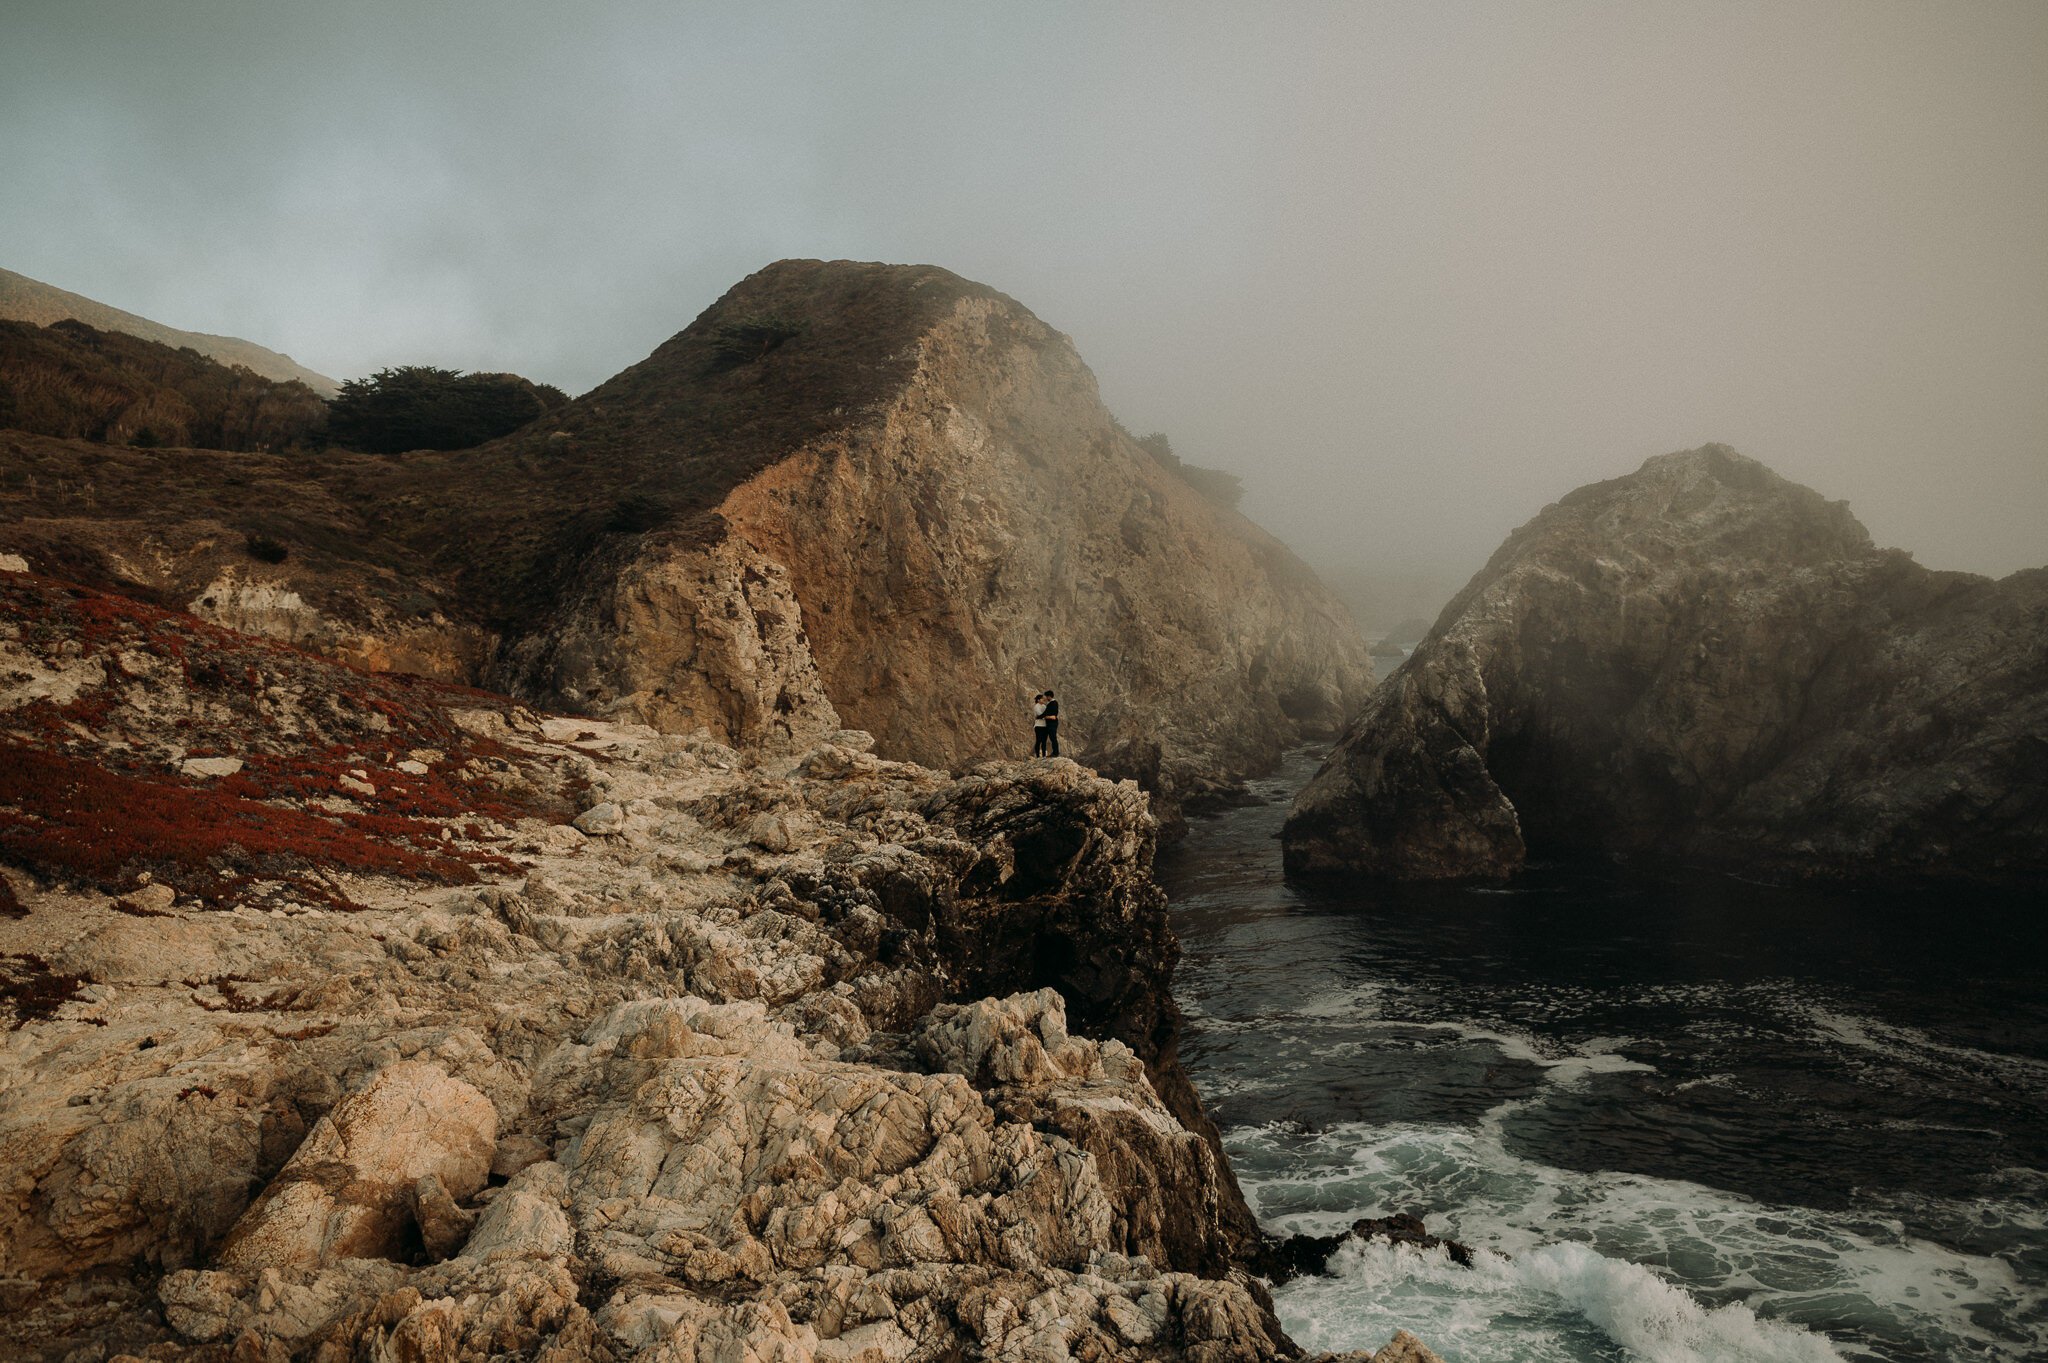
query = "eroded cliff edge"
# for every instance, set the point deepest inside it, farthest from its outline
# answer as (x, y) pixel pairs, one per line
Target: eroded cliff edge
(1705, 662)
(331, 1033)
(871, 495)
(902, 505)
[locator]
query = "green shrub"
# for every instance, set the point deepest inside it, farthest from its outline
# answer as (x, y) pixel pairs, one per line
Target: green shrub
(749, 339)
(264, 549)
(77, 382)
(419, 407)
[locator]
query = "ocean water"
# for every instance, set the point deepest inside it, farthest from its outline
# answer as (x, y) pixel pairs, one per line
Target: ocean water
(1682, 1117)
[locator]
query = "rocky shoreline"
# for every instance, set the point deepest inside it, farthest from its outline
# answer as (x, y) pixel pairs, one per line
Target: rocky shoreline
(682, 1052)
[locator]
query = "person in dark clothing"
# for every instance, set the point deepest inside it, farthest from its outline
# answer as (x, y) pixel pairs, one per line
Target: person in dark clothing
(1038, 725)
(1052, 725)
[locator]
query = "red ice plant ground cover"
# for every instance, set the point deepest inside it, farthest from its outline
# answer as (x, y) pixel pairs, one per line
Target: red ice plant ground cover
(106, 827)
(91, 789)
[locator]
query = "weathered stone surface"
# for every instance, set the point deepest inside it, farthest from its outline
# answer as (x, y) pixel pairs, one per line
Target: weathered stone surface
(963, 526)
(1702, 661)
(149, 899)
(350, 1190)
(1169, 1183)
(1406, 1348)
(750, 1095)
(602, 820)
(684, 636)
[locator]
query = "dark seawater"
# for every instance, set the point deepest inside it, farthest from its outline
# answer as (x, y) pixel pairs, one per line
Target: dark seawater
(1700, 1118)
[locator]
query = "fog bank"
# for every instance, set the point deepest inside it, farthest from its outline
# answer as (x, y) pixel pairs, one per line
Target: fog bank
(1412, 271)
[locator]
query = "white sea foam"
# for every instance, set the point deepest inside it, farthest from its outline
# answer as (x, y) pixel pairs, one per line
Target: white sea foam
(1705, 1081)
(1349, 1003)
(1579, 1284)
(1911, 1047)
(1561, 1066)
(1558, 1302)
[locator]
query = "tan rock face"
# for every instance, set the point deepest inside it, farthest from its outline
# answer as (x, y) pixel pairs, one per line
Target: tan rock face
(975, 529)
(991, 532)
(689, 638)
(1705, 661)
(348, 1191)
(808, 1054)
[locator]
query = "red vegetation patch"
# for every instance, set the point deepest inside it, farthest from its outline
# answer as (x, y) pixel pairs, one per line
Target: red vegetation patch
(106, 827)
(226, 684)
(90, 790)
(318, 774)
(31, 989)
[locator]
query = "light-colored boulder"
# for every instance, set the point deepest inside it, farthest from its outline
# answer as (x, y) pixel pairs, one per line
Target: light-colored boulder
(347, 1192)
(149, 899)
(526, 1218)
(1019, 1040)
(1406, 1348)
(602, 820)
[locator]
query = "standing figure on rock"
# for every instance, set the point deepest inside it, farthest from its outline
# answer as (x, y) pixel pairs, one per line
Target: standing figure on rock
(1038, 725)
(1052, 725)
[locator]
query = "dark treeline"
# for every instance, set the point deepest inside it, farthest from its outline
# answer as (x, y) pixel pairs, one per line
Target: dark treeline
(75, 381)
(418, 407)
(68, 379)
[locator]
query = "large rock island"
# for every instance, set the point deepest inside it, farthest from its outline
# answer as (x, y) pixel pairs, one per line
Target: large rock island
(1705, 662)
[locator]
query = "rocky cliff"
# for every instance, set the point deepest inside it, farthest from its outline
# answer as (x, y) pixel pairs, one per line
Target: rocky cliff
(888, 497)
(352, 1016)
(869, 495)
(1706, 662)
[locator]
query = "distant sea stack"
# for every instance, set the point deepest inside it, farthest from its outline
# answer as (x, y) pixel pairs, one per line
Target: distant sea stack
(888, 497)
(1702, 662)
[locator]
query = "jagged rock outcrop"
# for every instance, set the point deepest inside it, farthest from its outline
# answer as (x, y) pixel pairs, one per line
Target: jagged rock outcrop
(354, 1017)
(351, 1189)
(1702, 661)
(926, 471)
(875, 495)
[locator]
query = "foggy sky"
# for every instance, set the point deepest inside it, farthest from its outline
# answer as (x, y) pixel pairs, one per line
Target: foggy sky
(1412, 270)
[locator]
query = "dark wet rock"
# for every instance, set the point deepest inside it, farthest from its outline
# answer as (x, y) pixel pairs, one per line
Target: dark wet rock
(1702, 662)
(1282, 1259)
(1403, 1228)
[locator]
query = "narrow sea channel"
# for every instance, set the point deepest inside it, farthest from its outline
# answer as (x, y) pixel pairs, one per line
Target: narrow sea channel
(1689, 1118)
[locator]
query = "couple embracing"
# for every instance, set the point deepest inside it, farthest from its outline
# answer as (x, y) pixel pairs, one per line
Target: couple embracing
(1045, 725)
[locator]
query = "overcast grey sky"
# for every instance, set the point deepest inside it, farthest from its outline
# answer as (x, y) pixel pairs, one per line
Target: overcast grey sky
(1413, 270)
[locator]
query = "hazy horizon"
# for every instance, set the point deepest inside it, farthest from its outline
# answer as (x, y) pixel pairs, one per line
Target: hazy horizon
(1412, 271)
